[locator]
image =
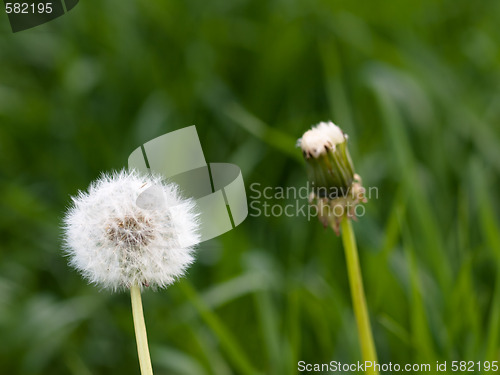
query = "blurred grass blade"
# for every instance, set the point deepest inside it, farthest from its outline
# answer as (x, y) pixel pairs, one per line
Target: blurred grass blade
(176, 361)
(270, 330)
(272, 136)
(395, 328)
(340, 107)
(392, 232)
(490, 231)
(227, 340)
(420, 330)
(419, 204)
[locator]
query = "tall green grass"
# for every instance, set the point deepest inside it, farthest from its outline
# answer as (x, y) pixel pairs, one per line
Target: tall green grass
(414, 84)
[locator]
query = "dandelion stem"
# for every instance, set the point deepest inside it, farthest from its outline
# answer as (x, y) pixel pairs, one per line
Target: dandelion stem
(140, 331)
(358, 295)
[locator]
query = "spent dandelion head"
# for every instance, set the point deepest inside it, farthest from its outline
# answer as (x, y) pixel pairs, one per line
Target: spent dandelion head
(337, 189)
(116, 241)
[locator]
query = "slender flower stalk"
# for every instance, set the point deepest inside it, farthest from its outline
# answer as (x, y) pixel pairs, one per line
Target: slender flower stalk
(131, 231)
(337, 190)
(358, 295)
(140, 331)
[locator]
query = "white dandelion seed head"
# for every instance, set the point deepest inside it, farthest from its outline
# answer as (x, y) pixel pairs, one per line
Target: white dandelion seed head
(117, 240)
(322, 137)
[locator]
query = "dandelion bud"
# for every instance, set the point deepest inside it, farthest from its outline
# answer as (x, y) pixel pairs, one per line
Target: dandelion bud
(336, 188)
(329, 166)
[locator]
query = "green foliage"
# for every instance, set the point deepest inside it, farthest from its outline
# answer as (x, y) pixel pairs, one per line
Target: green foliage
(414, 84)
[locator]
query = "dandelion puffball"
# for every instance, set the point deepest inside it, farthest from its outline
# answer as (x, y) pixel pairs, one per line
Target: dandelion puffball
(116, 241)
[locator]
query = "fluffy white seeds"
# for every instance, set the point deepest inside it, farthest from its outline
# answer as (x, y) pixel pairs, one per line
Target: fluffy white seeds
(116, 240)
(325, 135)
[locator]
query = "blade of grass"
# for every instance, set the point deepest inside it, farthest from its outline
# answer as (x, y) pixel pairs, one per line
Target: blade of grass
(395, 328)
(227, 340)
(176, 361)
(340, 107)
(490, 231)
(269, 326)
(272, 136)
(465, 327)
(392, 233)
(420, 332)
(293, 330)
(419, 203)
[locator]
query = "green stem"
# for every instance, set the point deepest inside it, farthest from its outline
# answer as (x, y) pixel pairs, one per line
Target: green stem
(358, 295)
(140, 331)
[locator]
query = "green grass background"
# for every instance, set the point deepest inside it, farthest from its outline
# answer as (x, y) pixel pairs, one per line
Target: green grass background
(415, 84)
